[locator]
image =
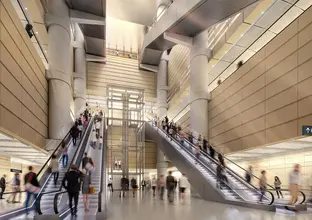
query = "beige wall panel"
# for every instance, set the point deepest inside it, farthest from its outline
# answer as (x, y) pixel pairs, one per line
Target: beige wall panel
(304, 106)
(10, 63)
(233, 89)
(253, 87)
(282, 132)
(28, 101)
(28, 133)
(304, 53)
(282, 83)
(253, 113)
(253, 74)
(225, 126)
(282, 38)
(304, 70)
(10, 83)
(281, 99)
(252, 100)
(41, 115)
(231, 146)
(253, 140)
(280, 54)
(10, 102)
(305, 35)
(230, 135)
(285, 114)
(253, 126)
(304, 88)
(28, 118)
(305, 19)
(282, 68)
(10, 122)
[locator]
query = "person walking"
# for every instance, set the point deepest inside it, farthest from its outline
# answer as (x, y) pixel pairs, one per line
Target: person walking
(161, 186)
(134, 186)
(54, 166)
(110, 185)
(277, 185)
(123, 184)
(97, 128)
(64, 150)
(93, 139)
(154, 186)
(212, 152)
(2, 186)
(16, 187)
(183, 183)
(205, 146)
(262, 184)
(119, 164)
(197, 152)
(87, 163)
(100, 142)
(72, 183)
(294, 185)
(32, 187)
(80, 128)
(170, 183)
(249, 174)
(74, 133)
(86, 186)
(143, 184)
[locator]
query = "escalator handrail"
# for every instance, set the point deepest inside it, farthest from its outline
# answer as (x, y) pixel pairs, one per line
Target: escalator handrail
(103, 162)
(77, 163)
(208, 168)
(60, 188)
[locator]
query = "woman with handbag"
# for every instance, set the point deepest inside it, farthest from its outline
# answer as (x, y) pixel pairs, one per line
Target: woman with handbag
(86, 189)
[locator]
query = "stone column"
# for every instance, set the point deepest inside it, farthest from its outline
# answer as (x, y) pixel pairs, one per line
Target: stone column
(59, 52)
(199, 84)
(162, 86)
(162, 164)
(80, 72)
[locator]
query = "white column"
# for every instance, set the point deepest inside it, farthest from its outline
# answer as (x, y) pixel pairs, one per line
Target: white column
(162, 164)
(162, 86)
(58, 23)
(80, 73)
(199, 84)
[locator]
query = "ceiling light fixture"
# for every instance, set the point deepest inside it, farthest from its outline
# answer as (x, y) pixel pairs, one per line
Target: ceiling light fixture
(26, 8)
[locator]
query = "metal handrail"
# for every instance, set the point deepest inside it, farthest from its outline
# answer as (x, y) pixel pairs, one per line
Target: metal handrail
(55, 207)
(103, 161)
(214, 161)
(60, 188)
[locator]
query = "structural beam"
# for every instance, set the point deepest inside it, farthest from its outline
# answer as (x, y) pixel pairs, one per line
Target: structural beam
(86, 18)
(151, 68)
(94, 58)
(179, 39)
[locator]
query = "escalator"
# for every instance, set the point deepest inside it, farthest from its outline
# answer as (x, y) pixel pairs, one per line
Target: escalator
(202, 175)
(46, 180)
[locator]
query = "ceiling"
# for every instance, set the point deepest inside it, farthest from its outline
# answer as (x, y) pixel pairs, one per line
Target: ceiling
(284, 148)
(136, 11)
(26, 154)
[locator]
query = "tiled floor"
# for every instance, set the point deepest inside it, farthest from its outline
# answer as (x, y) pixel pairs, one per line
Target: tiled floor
(146, 207)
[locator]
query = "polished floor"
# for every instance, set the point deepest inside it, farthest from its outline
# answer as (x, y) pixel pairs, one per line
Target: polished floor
(145, 207)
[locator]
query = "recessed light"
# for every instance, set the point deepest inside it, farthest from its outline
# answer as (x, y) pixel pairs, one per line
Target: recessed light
(26, 8)
(36, 32)
(45, 51)
(262, 12)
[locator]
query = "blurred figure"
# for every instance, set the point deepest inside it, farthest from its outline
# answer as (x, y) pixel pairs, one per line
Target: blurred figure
(100, 142)
(221, 177)
(119, 164)
(32, 187)
(183, 183)
(2, 186)
(262, 185)
(199, 140)
(110, 185)
(87, 164)
(212, 152)
(54, 168)
(197, 152)
(86, 185)
(64, 151)
(221, 159)
(123, 184)
(134, 186)
(277, 185)
(161, 186)
(154, 186)
(97, 128)
(205, 146)
(249, 174)
(170, 183)
(294, 185)
(72, 183)
(143, 184)
(16, 187)
(74, 133)
(93, 139)
(191, 137)
(80, 128)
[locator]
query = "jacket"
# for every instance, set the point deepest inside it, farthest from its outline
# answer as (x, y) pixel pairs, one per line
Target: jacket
(86, 160)
(72, 181)
(2, 182)
(54, 165)
(31, 178)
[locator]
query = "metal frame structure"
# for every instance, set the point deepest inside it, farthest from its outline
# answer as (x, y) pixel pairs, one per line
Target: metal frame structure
(126, 114)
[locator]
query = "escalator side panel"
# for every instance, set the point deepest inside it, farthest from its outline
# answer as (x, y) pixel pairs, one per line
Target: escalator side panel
(203, 187)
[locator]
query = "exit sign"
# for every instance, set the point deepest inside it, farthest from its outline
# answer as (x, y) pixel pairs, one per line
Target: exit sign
(306, 130)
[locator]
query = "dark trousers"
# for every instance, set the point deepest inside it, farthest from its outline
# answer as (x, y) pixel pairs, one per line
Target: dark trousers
(72, 196)
(162, 191)
(1, 192)
(279, 192)
(171, 194)
(154, 190)
(110, 186)
(74, 140)
(262, 191)
(55, 177)
(80, 134)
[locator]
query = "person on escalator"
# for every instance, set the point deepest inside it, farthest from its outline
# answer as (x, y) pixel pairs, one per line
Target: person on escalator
(197, 152)
(212, 151)
(205, 146)
(74, 133)
(32, 187)
(54, 166)
(64, 150)
(277, 185)
(72, 183)
(220, 173)
(221, 159)
(199, 140)
(294, 185)
(248, 175)
(262, 185)
(190, 137)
